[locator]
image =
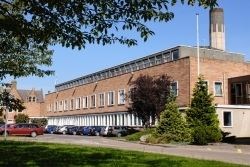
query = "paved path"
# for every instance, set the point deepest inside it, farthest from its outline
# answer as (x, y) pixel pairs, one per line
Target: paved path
(239, 154)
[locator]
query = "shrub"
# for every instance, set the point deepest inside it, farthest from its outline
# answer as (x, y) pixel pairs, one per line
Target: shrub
(202, 135)
(202, 117)
(136, 136)
(172, 127)
(40, 121)
(21, 118)
(1, 121)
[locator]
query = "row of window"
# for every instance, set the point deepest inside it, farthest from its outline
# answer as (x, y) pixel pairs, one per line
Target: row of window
(89, 101)
(217, 88)
(139, 64)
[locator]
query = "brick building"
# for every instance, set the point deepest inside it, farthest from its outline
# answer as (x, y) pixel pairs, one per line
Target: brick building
(98, 98)
(33, 101)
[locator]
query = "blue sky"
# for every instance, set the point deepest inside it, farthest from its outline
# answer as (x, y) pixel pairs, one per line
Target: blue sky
(69, 64)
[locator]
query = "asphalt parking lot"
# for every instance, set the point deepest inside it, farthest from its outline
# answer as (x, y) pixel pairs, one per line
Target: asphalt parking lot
(239, 154)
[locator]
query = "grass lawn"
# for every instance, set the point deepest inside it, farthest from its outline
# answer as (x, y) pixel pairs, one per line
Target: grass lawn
(16, 154)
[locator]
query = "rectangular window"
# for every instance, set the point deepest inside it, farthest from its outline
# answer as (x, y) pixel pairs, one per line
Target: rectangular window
(56, 106)
(65, 107)
(121, 96)
(238, 90)
(174, 88)
(101, 100)
(71, 104)
(60, 105)
(248, 90)
(85, 102)
(175, 54)
(227, 118)
(217, 88)
(78, 103)
(49, 108)
(93, 101)
(111, 98)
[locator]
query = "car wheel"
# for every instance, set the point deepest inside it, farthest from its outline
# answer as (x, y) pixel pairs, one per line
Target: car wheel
(119, 135)
(33, 134)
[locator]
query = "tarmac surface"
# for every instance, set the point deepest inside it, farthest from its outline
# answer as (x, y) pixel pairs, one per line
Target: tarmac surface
(232, 153)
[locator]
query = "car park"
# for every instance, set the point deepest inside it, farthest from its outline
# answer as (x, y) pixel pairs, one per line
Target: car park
(96, 130)
(23, 129)
(50, 129)
(72, 130)
(63, 129)
(114, 131)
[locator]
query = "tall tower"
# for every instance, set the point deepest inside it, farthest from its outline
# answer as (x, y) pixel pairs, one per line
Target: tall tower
(217, 29)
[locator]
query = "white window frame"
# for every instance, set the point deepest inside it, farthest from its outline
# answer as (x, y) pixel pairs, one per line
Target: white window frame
(93, 105)
(103, 100)
(231, 119)
(65, 105)
(177, 87)
(109, 102)
(85, 102)
(218, 95)
(49, 107)
(71, 104)
(121, 101)
(56, 106)
(61, 105)
(78, 103)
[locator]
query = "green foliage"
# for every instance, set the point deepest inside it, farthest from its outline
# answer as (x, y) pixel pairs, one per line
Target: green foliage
(76, 23)
(22, 118)
(172, 126)
(1, 121)
(148, 96)
(9, 102)
(202, 117)
(58, 155)
(40, 121)
(136, 136)
(22, 60)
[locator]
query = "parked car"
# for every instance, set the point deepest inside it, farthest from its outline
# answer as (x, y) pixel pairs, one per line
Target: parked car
(114, 131)
(79, 130)
(50, 129)
(23, 129)
(63, 129)
(96, 130)
(72, 130)
(87, 130)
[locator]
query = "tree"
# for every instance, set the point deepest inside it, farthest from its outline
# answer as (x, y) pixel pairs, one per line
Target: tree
(9, 102)
(201, 116)
(22, 118)
(76, 23)
(172, 125)
(1, 121)
(39, 121)
(147, 96)
(19, 60)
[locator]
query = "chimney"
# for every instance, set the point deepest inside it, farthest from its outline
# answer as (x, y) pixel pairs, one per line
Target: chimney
(217, 29)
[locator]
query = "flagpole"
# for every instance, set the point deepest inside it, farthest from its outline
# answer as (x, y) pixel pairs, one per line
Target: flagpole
(198, 44)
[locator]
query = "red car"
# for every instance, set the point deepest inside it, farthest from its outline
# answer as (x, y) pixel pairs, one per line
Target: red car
(23, 129)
